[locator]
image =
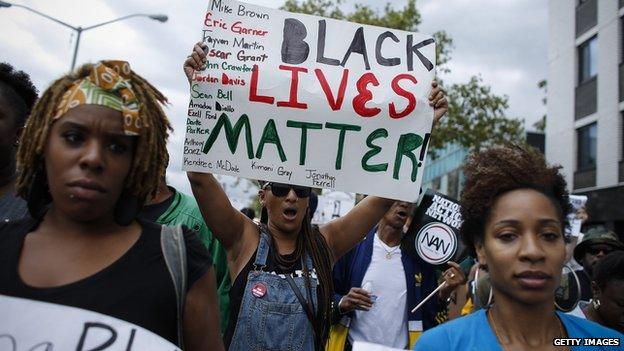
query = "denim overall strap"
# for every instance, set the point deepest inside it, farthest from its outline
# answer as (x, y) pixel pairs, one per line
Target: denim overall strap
(263, 249)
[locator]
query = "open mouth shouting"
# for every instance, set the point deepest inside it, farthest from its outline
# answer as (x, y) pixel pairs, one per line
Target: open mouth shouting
(290, 213)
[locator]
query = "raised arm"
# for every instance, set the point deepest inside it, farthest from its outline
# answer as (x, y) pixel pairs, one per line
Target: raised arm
(343, 233)
(226, 223)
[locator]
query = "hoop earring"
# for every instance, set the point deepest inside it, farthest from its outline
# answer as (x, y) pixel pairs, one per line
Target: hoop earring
(127, 208)
(38, 194)
(596, 304)
(578, 290)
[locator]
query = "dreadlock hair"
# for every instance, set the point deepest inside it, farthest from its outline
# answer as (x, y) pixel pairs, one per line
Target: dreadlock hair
(494, 172)
(316, 246)
(312, 242)
(19, 92)
(147, 167)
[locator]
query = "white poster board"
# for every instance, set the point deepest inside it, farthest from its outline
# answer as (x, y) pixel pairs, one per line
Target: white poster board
(331, 205)
(574, 224)
(41, 326)
(368, 346)
(311, 101)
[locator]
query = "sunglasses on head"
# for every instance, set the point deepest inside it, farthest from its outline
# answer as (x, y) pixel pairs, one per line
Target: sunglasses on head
(281, 190)
(595, 250)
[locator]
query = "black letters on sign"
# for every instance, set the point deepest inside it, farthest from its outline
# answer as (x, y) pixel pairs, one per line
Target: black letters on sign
(414, 50)
(395, 61)
(358, 45)
(294, 49)
(320, 47)
(85, 331)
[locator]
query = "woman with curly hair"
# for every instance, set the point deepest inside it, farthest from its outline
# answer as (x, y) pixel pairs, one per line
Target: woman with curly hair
(514, 207)
(85, 181)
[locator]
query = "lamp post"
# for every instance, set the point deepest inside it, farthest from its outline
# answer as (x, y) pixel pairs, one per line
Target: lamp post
(79, 30)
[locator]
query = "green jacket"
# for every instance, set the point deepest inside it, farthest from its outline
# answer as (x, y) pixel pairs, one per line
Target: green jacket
(184, 210)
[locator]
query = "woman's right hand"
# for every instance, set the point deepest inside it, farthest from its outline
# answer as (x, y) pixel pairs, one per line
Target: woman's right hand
(195, 60)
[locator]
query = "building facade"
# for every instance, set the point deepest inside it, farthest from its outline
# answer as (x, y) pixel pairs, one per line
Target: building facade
(584, 130)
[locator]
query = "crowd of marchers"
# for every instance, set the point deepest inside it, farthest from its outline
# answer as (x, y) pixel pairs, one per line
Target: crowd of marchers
(87, 216)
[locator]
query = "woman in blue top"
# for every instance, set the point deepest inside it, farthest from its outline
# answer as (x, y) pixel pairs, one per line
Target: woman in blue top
(514, 208)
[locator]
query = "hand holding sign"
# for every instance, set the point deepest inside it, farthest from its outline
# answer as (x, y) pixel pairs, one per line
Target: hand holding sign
(280, 97)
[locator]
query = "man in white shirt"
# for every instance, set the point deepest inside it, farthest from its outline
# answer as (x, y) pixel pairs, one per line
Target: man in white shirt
(377, 284)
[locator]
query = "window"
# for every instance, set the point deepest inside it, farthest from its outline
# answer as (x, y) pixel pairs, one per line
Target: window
(588, 59)
(586, 141)
(586, 15)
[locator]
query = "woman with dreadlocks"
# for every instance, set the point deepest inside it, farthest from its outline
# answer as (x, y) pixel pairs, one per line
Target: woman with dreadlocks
(281, 270)
(85, 181)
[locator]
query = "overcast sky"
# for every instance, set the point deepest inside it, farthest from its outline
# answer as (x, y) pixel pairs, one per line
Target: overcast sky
(503, 41)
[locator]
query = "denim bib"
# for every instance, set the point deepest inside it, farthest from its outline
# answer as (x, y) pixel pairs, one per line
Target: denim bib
(271, 317)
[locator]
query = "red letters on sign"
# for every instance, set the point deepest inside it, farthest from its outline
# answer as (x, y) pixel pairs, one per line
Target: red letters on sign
(411, 99)
(334, 103)
(294, 85)
(253, 89)
(336, 99)
(365, 95)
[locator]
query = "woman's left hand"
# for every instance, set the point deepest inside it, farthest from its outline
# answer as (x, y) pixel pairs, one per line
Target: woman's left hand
(438, 101)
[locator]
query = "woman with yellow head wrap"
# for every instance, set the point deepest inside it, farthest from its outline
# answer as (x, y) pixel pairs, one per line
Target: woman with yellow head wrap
(92, 151)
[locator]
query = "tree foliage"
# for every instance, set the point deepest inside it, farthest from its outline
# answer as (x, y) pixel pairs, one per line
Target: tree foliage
(476, 118)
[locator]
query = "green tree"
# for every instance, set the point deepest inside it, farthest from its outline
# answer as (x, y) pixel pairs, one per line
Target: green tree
(476, 118)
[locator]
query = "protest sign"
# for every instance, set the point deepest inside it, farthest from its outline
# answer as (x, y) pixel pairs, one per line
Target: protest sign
(311, 101)
(433, 234)
(574, 223)
(369, 346)
(41, 326)
(332, 205)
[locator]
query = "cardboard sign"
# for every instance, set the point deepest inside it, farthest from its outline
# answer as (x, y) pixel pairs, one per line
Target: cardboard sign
(433, 234)
(41, 326)
(311, 101)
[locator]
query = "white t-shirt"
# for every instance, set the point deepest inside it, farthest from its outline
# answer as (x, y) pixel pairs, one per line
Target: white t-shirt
(386, 322)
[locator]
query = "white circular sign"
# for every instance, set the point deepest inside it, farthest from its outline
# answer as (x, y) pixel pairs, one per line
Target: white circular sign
(436, 243)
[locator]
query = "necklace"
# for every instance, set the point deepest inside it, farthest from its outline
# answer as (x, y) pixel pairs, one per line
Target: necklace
(389, 253)
(490, 316)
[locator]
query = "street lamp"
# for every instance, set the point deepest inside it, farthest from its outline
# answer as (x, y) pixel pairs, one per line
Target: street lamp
(79, 30)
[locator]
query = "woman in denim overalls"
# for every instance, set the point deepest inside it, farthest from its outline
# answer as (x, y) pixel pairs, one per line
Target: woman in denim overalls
(271, 315)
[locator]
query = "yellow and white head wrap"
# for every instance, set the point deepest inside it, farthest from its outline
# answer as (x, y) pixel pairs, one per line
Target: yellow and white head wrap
(109, 84)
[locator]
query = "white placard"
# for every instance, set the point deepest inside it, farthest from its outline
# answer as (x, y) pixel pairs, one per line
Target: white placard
(574, 224)
(368, 346)
(41, 326)
(331, 205)
(311, 101)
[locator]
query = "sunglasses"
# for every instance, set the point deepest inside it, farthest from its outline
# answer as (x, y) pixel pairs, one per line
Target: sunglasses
(595, 250)
(281, 190)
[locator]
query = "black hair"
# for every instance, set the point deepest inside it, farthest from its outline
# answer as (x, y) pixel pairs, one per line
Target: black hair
(18, 91)
(249, 212)
(494, 172)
